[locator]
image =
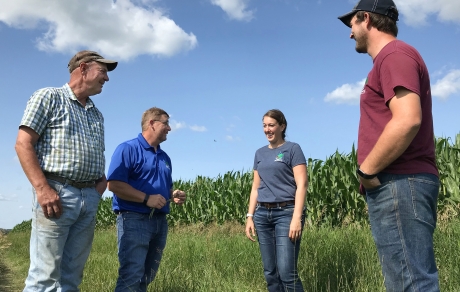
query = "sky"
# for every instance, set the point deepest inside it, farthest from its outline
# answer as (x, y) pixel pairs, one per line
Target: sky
(216, 66)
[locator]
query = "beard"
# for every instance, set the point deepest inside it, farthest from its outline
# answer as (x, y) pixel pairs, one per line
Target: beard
(361, 43)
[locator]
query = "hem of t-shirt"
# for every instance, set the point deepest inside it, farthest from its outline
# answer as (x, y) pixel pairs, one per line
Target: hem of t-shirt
(403, 171)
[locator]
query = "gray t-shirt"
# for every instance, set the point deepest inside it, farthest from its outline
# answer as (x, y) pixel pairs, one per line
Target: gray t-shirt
(274, 166)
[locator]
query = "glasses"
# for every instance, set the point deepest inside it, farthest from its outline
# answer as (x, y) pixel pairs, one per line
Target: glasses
(166, 123)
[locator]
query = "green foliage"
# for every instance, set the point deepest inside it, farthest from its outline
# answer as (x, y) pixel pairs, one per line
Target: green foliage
(448, 162)
(23, 226)
(222, 199)
(333, 197)
(105, 216)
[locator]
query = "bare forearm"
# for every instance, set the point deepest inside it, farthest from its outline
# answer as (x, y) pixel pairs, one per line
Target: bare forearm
(125, 191)
(30, 165)
(252, 201)
(393, 141)
(301, 180)
(300, 201)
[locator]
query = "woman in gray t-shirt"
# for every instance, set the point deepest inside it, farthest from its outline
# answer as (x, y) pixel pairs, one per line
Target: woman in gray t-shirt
(276, 205)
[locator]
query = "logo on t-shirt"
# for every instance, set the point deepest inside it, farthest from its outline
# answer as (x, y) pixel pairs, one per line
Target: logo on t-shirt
(279, 157)
(167, 165)
(364, 88)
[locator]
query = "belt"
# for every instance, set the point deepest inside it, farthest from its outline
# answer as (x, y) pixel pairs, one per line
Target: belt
(276, 205)
(77, 184)
(118, 212)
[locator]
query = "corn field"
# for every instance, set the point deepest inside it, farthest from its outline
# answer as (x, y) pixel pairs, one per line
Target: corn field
(332, 197)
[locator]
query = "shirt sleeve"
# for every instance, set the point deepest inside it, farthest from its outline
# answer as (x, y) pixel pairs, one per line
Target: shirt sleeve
(399, 69)
(38, 111)
(256, 161)
(297, 156)
(120, 164)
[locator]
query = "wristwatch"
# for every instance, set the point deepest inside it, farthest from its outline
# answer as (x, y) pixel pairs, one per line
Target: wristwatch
(146, 199)
(365, 175)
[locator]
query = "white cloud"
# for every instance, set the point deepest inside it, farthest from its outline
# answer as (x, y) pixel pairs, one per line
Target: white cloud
(447, 86)
(198, 128)
(175, 125)
(232, 138)
(120, 29)
(347, 93)
(7, 198)
(230, 128)
(416, 12)
(235, 9)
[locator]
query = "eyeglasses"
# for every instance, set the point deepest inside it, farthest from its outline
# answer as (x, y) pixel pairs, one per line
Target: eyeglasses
(166, 123)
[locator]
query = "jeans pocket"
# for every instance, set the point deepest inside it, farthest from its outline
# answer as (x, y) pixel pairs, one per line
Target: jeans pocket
(424, 195)
(375, 191)
(55, 185)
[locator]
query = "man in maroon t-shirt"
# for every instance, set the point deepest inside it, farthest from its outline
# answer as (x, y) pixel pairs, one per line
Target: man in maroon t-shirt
(396, 154)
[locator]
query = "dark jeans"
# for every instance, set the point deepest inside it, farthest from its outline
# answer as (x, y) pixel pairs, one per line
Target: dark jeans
(141, 241)
(279, 253)
(402, 213)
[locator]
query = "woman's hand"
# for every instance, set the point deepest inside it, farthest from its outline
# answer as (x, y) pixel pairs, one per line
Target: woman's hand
(295, 230)
(250, 229)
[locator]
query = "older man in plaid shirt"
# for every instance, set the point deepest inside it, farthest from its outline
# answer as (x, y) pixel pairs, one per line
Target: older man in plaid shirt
(60, 145)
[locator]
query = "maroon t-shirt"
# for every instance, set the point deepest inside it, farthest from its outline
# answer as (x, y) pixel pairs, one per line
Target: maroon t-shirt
(397, 64)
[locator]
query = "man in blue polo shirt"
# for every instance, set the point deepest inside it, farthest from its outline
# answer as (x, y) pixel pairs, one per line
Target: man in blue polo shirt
(140, 178)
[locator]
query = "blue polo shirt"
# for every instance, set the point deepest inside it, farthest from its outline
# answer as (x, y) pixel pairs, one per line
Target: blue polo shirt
(136, 163)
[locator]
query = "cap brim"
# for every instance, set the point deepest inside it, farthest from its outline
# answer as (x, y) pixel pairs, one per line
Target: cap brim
(111, 65)
(346, 18)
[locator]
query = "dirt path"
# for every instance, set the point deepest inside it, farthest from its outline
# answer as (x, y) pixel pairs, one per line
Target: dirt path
(5, 273)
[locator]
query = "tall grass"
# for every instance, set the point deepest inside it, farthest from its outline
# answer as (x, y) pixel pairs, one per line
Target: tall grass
(219, 258)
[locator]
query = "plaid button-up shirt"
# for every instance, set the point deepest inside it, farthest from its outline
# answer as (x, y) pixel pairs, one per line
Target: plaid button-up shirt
(71, 142)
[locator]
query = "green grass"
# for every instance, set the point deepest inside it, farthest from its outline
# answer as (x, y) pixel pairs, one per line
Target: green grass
(219, 258)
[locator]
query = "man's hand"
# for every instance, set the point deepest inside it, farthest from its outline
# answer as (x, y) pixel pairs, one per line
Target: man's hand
(156, 201)
(370, 183)
(179, 197)
(101, 185)
(50, 202)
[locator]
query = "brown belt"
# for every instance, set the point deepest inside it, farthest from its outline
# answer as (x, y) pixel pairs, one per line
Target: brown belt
(276, 205)
(77, 184)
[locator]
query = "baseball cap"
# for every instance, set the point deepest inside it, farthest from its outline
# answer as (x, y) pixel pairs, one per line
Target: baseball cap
(89, 56)
(383, 7)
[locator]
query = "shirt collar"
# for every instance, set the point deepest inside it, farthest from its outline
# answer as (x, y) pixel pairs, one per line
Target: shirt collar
(69, 93)
(146, 145)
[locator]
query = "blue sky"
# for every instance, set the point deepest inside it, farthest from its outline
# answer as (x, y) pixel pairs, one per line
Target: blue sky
(216, 66)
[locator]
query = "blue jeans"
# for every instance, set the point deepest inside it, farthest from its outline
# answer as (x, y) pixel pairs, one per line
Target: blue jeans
(279, 253)
(402, 213)
(141, 241)
(60, 247)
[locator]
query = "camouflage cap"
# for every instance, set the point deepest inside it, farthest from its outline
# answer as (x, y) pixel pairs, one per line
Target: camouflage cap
(89, 56)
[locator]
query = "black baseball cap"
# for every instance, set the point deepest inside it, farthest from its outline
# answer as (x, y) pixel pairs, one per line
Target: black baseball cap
(383, 7)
